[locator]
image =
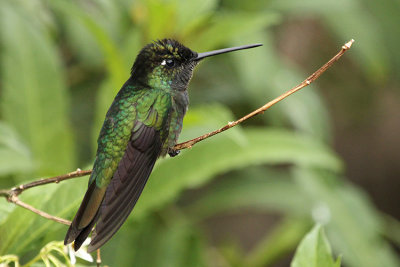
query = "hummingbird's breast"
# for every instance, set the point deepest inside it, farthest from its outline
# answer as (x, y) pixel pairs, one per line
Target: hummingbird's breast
(180, 103)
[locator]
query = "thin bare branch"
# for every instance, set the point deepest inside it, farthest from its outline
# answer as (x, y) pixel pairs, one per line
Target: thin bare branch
(306, 82)
(12, 194)
(17, 201)
(56, 179)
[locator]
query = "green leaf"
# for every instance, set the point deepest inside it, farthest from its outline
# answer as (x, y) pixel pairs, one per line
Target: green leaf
(256, 188)
(314, 251)
(34, 98)
(5, 209)
(18, 223)
(22, 228)
(15, 157)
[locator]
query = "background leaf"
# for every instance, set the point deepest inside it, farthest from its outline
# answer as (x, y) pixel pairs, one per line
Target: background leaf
(14, 155)
(38, 110)
(314, 251)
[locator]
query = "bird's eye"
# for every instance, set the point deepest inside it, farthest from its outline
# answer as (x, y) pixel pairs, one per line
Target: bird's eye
(168, 62)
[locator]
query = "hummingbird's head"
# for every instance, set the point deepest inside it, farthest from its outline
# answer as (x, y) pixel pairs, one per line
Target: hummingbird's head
(167, 64)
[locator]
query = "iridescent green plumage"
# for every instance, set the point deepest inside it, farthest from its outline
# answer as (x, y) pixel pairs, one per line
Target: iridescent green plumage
(151, 107)
(142, 124)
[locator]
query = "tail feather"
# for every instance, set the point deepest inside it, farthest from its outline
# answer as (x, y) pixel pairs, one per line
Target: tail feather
(86, 216)
(84, 233)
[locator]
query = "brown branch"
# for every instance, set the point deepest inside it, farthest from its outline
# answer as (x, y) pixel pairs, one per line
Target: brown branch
(306, 82)
(56, 179)
(12, 194)
(14, 199)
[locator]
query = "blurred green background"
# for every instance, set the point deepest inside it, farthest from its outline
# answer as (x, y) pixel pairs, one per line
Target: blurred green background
(328, 154)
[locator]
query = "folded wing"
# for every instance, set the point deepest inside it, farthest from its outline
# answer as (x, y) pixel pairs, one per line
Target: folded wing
(127, 183)
(109, 207)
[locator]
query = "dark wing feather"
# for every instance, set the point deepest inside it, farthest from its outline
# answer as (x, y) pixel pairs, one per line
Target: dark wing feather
(127, 183)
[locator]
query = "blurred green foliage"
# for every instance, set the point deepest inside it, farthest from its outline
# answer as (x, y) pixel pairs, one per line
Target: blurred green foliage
(62, 62)
(314, 251)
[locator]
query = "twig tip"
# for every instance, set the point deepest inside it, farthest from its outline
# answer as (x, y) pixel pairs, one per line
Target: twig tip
(348, 44)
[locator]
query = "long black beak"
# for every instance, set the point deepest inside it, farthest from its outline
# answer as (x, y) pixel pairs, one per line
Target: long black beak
(225, 50)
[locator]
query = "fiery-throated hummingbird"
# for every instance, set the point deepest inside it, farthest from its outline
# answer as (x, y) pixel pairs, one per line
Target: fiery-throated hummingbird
(142, 124)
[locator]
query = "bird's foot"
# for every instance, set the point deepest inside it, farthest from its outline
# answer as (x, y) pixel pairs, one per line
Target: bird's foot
(172, 152)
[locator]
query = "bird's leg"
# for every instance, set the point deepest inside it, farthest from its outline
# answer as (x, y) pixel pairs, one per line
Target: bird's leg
(172, 152)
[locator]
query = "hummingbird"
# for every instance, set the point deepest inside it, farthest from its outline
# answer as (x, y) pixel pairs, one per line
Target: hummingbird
(142, 124)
